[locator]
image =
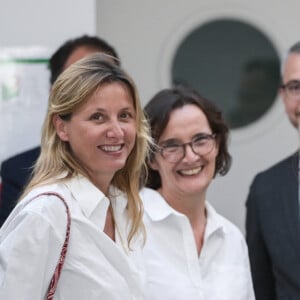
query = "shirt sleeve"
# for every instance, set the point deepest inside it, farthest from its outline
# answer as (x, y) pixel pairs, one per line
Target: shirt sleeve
(29, 252)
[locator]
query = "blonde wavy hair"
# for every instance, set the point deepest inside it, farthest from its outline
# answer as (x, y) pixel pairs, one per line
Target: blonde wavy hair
(71, 90)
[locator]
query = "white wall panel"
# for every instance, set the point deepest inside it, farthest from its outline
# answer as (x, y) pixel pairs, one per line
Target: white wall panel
(146, 34)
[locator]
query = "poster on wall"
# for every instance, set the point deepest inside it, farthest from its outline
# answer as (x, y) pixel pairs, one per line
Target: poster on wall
(24, 91)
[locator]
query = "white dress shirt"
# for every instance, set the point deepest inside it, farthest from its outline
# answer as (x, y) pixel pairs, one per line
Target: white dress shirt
(174, 269)
(95, 267)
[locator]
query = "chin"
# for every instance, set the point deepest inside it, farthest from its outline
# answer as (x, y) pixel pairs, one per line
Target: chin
(118, 166)
(191, 188)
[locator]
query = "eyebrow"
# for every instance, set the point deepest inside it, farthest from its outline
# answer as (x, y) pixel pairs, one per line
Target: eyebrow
(175, 140)
(170, 141)
(123, 108)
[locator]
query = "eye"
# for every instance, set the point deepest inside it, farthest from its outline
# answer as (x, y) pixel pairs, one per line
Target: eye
(170, 146)
(201, 139)
(200, 142)
(126, 115)
(294, 86)
(97, 117)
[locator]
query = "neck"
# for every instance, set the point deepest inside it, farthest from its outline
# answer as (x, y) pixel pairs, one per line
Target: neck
(109, 227)
(192, 206)
(102, 183)
(194, 209)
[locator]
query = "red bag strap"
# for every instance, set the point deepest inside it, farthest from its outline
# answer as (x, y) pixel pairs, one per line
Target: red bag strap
(54, 280)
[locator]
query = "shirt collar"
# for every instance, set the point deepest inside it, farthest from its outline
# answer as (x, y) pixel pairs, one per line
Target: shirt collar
(155, 205)
(89, 196)
(158, 209)
(215, 222)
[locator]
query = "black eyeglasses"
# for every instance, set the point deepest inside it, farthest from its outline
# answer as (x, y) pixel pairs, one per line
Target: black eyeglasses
(202, 144)
(292, 89)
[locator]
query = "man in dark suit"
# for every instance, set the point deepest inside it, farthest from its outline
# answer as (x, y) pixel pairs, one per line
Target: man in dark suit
(16, 171)
(273, 215)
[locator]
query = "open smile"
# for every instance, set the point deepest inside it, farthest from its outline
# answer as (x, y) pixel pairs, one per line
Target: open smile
(111, 148)
(190, 172)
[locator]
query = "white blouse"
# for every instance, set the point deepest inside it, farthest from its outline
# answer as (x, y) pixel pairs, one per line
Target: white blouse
(95, 267)
(174, 269)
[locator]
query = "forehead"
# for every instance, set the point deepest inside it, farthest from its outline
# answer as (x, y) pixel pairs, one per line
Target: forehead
(113, 93)
(110, 96)
(79, 53)
(186, 121)
(291, 69)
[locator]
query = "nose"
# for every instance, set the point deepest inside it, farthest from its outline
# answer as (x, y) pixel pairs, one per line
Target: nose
(189, 154)
(115, 130)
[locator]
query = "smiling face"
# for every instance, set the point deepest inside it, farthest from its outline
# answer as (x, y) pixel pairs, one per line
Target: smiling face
(102, 132)
(193, 173)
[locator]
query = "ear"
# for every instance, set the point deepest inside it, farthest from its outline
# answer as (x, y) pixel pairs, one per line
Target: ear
(153, 164)
(60, 127)
(282, 96)
(281, 92)
(217, 146)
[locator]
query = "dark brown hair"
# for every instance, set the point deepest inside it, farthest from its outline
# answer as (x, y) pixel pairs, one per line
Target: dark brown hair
(158, 112)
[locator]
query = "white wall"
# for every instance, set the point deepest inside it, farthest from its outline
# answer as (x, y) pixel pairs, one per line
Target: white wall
(146, 33)
(25, 25)
(46, 23)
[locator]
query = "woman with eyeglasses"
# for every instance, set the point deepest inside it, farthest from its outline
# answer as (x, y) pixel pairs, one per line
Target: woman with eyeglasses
(191, 251)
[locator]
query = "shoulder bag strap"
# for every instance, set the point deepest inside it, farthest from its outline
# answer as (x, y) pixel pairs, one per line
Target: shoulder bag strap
(54, 280)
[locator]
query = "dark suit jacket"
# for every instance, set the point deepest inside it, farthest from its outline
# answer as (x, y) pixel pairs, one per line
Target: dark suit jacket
(273, 231)
(15, 173)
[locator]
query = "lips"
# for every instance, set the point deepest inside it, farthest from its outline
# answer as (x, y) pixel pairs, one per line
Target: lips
(190, 172)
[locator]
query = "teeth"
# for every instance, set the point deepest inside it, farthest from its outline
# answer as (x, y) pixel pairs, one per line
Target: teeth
(111, 148)
(191, 171)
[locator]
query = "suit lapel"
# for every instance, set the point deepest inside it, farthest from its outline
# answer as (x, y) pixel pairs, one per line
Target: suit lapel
(290, 199)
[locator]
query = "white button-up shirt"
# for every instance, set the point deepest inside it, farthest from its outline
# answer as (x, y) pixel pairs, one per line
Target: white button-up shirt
(95, 266)
(174, 269)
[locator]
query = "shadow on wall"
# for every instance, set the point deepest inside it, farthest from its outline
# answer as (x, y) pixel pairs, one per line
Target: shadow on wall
(256, 92)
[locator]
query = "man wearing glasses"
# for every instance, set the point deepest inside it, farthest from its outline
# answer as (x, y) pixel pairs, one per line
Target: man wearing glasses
(273, 218)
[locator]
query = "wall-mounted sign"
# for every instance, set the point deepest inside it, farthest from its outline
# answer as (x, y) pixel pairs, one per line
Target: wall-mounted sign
(24, 91)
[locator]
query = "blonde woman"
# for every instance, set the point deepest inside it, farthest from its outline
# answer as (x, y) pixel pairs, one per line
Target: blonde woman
(94, 142)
